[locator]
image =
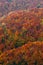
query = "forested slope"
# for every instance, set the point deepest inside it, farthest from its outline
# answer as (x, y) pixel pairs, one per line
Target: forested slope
(22, 31)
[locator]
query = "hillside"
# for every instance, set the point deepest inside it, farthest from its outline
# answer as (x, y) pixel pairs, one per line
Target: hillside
(28, 54)
(7, 6)
(19, 31)
(19, 27)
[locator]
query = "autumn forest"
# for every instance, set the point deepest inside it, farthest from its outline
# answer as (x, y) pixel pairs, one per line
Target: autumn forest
(21, 32)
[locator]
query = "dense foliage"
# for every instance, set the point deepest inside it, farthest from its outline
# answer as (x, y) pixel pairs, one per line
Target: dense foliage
(19, 30)
(28, 54)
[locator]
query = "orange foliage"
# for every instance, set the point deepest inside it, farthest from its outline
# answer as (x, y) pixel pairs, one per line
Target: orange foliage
(30, 53)
(19, 33)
